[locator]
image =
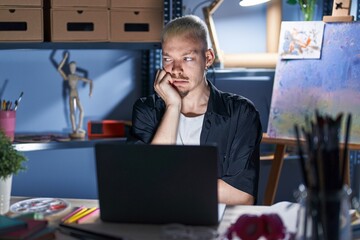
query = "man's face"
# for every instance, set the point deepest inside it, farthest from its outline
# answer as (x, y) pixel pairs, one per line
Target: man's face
(184, 58)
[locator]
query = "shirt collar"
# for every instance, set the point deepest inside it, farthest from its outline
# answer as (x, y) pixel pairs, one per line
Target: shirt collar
(216, 102)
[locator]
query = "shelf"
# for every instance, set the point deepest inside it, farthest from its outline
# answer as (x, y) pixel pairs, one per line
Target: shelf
(54, 145)
(80, 45)
(242, 74)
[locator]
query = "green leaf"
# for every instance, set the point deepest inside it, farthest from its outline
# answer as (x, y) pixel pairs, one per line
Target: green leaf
(11, 160)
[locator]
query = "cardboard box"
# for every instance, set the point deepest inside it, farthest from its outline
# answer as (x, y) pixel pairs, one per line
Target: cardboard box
(21, 24)
(21, 3)
(80, 3)
(88, 25)
(137, 25)
(136, 4)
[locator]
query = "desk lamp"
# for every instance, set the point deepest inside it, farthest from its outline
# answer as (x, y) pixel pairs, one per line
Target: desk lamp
(248, 3)
(257, 60)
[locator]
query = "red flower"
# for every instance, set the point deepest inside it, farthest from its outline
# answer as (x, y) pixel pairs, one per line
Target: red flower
(247, 226)
(252, 227)
(274, 228)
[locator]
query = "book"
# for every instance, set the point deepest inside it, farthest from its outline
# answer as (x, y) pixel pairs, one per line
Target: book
(33, 227)
(47, 233)
(97, 231)
(8, 224)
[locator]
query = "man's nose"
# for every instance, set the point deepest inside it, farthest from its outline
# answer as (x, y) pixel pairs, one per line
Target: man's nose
(176, 68)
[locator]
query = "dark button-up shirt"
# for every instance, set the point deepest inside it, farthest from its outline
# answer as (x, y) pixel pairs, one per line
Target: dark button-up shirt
(231, 122)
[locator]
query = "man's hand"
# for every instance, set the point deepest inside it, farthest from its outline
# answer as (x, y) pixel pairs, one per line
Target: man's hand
(163, 86)
(167, 130)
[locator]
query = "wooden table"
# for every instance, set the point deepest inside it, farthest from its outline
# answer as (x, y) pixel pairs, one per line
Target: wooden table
(286, 210)
(138, 231)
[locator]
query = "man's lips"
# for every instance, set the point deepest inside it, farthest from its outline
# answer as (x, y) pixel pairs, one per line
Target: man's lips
(180, 81)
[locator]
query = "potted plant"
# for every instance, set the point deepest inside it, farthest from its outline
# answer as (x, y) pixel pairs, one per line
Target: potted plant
(307, 7)
(11, 162)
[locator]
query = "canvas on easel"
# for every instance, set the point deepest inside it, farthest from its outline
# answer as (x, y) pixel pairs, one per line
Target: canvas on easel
(330, 84)
(294, 79)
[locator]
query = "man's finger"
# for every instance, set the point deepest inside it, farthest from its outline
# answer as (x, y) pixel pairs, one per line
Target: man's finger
(161, 76)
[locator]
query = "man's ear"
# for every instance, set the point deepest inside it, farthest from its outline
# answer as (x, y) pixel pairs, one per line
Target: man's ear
(210, 57)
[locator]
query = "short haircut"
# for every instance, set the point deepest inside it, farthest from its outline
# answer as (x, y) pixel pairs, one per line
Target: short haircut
(189, 24)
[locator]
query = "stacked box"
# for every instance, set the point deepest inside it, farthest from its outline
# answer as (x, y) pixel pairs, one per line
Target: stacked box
(80, 3)
(136, 20)
(21, 20)
(80, 20)
(136, 4)
(21, 3)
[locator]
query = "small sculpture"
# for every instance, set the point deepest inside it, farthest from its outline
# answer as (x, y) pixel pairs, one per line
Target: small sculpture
(74, 99)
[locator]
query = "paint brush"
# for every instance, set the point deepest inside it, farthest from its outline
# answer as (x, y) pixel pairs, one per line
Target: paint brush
(18, 101)
(301, 156)
(345, 153)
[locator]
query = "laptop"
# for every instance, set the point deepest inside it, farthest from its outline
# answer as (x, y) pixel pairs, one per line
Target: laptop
(157, 184)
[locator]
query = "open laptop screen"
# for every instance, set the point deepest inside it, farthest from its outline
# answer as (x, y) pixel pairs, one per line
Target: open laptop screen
(157, 184)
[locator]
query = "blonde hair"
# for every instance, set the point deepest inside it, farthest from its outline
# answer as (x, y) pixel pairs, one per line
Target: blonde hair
(189, 24)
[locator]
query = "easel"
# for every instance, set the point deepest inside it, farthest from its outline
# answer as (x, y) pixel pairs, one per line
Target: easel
(276, 166)
(278, 160)
(340, 13)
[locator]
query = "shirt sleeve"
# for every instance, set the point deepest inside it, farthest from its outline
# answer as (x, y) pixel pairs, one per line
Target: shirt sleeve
(143, 122)
(243, 158)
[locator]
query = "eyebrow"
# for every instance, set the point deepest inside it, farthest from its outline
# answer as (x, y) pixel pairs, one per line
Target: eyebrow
(184, 54)
(191, 52)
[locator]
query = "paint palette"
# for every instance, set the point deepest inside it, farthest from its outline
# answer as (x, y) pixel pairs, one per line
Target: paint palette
(45, 206)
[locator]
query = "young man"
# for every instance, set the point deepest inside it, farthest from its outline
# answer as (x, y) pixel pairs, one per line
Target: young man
(188, 109)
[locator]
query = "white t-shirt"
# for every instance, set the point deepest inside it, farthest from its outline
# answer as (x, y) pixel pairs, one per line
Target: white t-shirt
(189, 130)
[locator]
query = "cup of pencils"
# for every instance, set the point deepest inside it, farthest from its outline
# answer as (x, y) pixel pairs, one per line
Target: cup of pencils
(324, 196)
(323, 215)
(7, 123)
(8, 116)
